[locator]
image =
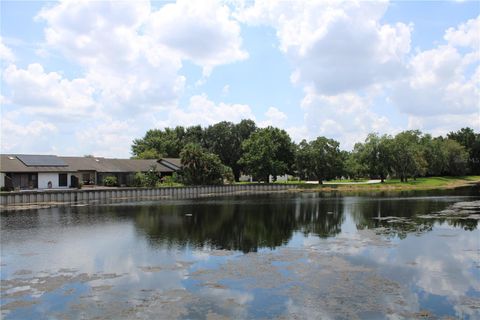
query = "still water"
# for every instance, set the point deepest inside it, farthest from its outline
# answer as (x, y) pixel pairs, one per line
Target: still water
(281, 256)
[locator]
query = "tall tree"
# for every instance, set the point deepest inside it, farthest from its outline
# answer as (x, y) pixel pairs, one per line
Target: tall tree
(225, 139)
(375, 155)
(407, 155)
(456, 158)
(268, 151)
(159, 143)
(320, 158)
(353, 166)
(200, 167)
(168, 142)
(471, 141)
(435, 155)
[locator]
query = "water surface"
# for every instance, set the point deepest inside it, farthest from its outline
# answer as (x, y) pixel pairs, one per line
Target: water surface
(308, 255)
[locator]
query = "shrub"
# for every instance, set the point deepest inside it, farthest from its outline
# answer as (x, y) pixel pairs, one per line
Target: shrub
(110, 181)
(152, 177)
(227, 174)
(139, 179)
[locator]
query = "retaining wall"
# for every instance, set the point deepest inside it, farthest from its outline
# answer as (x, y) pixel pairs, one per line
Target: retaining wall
(73, 196)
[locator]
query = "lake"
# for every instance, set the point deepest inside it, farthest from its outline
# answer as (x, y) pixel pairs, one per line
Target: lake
(281, 256)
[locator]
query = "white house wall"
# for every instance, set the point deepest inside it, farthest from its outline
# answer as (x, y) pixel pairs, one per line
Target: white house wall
(45, 177)
(2, 179)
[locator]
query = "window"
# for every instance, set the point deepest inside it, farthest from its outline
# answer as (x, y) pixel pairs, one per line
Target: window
(62, 179)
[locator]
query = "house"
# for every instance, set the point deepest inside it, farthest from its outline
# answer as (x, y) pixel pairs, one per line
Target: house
(34, 171)
(50, 171)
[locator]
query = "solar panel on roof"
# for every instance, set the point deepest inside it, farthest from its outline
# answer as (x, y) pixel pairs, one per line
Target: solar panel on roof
(41, 161)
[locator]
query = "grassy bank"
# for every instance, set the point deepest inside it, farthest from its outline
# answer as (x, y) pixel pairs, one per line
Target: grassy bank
(428, 183)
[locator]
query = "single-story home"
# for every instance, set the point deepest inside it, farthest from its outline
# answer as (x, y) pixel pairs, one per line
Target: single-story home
(21, 171)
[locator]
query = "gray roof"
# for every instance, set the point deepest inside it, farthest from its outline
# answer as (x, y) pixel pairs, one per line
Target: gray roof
(10, 163)
(32, 160)
(172, 163)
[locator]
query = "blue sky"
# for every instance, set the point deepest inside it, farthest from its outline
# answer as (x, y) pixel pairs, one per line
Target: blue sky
(89, 77)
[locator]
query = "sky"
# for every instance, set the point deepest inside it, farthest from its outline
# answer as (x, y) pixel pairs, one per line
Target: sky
(89, 77)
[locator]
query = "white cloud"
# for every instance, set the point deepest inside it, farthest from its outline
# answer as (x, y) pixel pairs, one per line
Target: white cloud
(274, 117)
(465, 35)
(441, 125)
(347, 118)
(48, 94)
(443, 80)
(132, 54)
(129, 70)
(6, 54)
(129, 56)
(30, 137)
(201, 31)
(335, 46)
(202, 111)
(110, 138)
(96, 32)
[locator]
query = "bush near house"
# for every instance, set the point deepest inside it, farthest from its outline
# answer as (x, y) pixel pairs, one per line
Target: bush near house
(150, 179)
(110, 181)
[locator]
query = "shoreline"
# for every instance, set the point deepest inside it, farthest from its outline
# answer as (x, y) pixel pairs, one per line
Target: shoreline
(460, 183)
(47, 199)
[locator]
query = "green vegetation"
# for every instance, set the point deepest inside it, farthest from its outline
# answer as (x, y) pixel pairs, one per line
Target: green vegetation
(150, 179)
(320, 159)
(423, 183)
(170, 181)
(433, 181)
(223, 139)
(110, 181)
(266, 152)
(202, 168)
(225, 150)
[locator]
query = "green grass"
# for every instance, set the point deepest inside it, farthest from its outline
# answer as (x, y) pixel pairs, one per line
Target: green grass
(471, 178)
(169, 184)
(431, 181)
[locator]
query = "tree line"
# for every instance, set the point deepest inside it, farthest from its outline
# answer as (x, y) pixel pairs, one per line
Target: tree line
(225, 150)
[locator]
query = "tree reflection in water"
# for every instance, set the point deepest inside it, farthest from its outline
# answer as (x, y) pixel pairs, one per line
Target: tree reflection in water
(248, 224)
(239, 225)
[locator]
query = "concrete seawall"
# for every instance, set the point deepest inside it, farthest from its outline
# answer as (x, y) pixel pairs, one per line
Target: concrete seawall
(46, 198)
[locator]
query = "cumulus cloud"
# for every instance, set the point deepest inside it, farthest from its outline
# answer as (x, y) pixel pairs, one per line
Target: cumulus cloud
(129, 69)
(465, 35)
(347, 118)
(95, 32)
(48, 93)
(6, 54)
(335, 46)
(132, 54)
(443, 80)
(203, 111)
(110, 138)
(274, 117)
(129, 57)
(201, 31)
(30, 137)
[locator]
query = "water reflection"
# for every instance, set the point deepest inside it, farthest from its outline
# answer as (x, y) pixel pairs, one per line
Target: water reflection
(232, 225)
(268, 223)
(133, 260)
